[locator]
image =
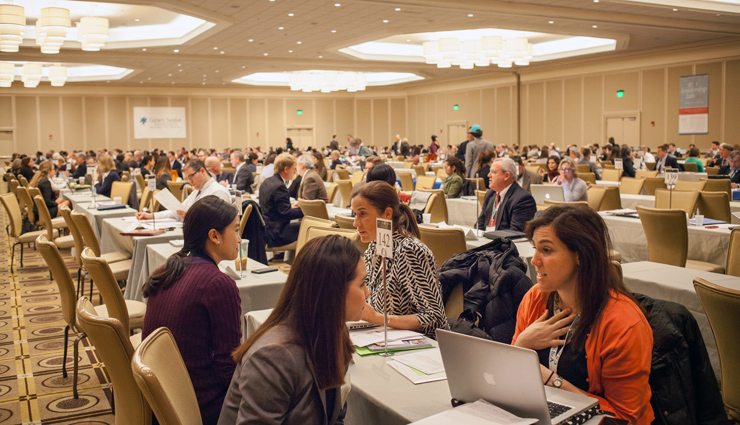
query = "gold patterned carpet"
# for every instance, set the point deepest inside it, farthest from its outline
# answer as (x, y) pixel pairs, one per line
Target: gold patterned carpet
(32, 390)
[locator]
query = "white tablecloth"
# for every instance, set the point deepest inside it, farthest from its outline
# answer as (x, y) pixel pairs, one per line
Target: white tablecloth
(96, 217)
(462, 211)
(671, 283)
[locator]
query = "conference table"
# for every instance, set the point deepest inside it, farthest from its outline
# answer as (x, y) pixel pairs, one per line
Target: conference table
(671, 283)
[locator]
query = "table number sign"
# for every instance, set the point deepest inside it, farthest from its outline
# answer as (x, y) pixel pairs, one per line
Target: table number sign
(384, 238)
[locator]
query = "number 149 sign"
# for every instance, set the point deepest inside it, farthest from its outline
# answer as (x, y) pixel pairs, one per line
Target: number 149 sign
(384, 238)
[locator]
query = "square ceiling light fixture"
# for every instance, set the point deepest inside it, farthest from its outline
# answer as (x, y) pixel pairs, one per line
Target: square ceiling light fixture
(327, 81)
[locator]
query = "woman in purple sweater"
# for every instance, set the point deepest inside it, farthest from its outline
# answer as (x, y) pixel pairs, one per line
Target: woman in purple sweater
(199, 304)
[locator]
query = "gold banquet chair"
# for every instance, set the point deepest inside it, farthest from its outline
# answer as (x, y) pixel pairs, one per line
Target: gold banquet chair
(631, 186)
(444, 244)
(437, 207)
(14, 229)
(611, 199)
(119, 262)
(718, 185)
(306, 224)
(344, 186)
(122, 190)
(313, 208)
(691, 185)
(62, 242)
(733, 254)
(611, 174)
(407, 182)
(715, 205)
(344, 221)
(351, 234)
(643, 174)
(652, 184)
(678, 200)
(667, 236)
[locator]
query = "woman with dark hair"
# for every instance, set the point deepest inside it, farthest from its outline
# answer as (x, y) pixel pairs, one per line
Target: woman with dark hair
(320, 165)
(291, 369)
(628, 166)
(147, 164)
(415, 300)
(484, 165)
(42, 182)
(551, 174)
(107, 174)
(590, 334)
(162, 172)
(694, 159)
(26, 169)
(382, 172)
(453, 184)
(199, 304)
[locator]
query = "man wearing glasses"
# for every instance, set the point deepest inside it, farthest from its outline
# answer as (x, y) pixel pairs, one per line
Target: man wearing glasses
(203, 185)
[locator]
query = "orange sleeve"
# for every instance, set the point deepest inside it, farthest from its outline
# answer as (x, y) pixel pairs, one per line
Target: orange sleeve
(530, 308)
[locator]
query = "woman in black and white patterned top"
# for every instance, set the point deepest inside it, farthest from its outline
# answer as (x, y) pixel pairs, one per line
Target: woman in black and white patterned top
(415, 300)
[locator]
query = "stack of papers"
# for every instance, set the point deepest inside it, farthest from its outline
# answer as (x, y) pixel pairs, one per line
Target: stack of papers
(478, 413)
(420, 366)
(371, 341)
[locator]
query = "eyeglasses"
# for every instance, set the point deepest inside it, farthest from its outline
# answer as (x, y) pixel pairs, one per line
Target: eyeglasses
(190, 176)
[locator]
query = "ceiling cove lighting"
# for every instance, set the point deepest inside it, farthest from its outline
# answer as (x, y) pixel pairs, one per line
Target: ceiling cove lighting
(32, 73)
(326, 81)
(483, 51)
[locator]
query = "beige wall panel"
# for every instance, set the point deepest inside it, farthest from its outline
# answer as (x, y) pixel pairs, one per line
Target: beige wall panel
(417, 119)
(732, 102)
(324, 117)
(398, 118)
(95, 122)
(714, 70)
(629, 82)
(536, 124)
(554, 113)
(674, 76)
(572, 112)
(276, 133)
(6, 111)
(159, 101)
(183, 102)
(524, 118)
(238, 123)
(488, 114)
(592, 111)
(472, 98)
(50, 123)
(72, 133)
(652, 118)
(291, 114)
(257, 123)
(118, 124)
(381, 124)
(364, 120)
(220, 123)
(345, 119)
(200, 123)
(26, 130)
(504, 129)
(133, 102)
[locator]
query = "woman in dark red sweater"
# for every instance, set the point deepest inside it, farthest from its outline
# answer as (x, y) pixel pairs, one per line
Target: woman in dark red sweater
(198, 303)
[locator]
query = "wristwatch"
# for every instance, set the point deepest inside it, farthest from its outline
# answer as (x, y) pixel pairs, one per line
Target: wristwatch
(557, 381)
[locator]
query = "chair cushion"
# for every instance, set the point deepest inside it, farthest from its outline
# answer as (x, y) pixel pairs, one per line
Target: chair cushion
(64, 242)
(31, 236)
(704, 266)
(113, 257)
(120, 269)
(58, 223)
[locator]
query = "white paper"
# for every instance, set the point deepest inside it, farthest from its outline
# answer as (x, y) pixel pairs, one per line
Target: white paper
(413, 375)
(736, 215)
(427, 361)
(168, 200)
(159, 224)
(365, 337)
(478, 413)
(384, 238)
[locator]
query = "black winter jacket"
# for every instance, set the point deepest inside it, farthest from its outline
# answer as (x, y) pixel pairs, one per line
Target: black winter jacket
(494, 280)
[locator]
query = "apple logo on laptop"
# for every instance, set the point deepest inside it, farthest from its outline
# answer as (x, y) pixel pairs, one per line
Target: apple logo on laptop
(488, 377)
(547, 196)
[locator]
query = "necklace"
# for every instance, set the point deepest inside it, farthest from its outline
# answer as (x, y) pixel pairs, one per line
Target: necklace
(557, 351)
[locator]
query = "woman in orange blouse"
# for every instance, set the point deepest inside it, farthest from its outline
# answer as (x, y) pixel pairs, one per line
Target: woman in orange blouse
(590, 334)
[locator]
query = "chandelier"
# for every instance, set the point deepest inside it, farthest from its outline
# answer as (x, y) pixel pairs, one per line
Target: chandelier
(52, 28)
(482, 51)
(326, 81)
(31, 74)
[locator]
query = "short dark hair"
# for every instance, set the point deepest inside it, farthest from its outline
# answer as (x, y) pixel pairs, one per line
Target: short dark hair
(382, 172)
(195, 164)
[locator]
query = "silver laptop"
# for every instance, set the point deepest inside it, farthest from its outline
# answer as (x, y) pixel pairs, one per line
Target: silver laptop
(546, 192)
(506, 376)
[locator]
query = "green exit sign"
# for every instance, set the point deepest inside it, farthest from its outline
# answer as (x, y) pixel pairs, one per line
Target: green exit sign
(620, 93)
(299, 112)
(456, 107)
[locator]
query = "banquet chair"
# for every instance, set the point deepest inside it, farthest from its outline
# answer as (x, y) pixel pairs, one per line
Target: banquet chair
(690, 167)
(15, 227)
(245, 218)
(652, 184)
(611, 174)
(146, 199)
(79, 245)
(582, 168)
(26, 200)
(420, 170)
(667, 236)
(588, 177)
(176, 188)
(444, 244)
(119, 262)
(122, 190)
(186, 191)
(711, 171)
(722, 307)
(424, 182)
(407, 182)
(733, 254)
(313, 208)
(331, 192)
(23, 181)
(62, 242)
(595, 195)
(679, 199)
(437, 207)
(441, 174)
(344, 221)
(163, 379)
(115, 348)
(356, 177)
(718, 185)
(631, 186)
(480, 196)
(533, 168)
(643, 174)
(306, 224)
(342, 173)
(566, 203)
(140, 181)
(478, 182)
(651, 165)
(715, 205)
(129, 312)
(351, 234)
(690, 185)
(344, 186)
(611, 199)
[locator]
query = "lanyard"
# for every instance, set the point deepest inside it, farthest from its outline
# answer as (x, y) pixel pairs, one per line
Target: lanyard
(557, 351)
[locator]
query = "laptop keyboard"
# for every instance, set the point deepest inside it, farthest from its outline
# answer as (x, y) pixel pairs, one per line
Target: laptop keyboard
(556, 409)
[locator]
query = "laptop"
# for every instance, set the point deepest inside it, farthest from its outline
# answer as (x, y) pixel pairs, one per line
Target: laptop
(506, 376)
(546, 192)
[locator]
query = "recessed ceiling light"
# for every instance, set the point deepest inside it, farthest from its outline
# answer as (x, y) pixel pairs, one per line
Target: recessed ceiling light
(272, 1)
(298, 42)
(251, 40)
(179, 70)
(281, 28)
(217, 71)
(137, 20)
(337, 4)
(244, 66)
(173, 83)
(176, 50)
(179, 65)
(141, 82)
(550, 22)
(144, 49)
(408, 40)
(203, 83)
(333, 31)
(222, 52)
(291, 14)
(675, 10)
(596, 1)
(265, 54)
(385, 21)
(215, 47)
(470, 15)
(290, 51)
(149, 78)
(321, 57)
(205, 75)
(398, 9)
(594, 26)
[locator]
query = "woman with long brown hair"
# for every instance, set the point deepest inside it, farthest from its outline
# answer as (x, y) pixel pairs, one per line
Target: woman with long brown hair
(162, 172)
(42, 182)
(291, 370)
(590, 334)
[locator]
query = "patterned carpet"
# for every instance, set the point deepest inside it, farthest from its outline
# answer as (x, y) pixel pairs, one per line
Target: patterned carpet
(32, 390)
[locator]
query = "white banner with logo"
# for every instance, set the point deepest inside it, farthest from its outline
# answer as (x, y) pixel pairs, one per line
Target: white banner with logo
(159, 123)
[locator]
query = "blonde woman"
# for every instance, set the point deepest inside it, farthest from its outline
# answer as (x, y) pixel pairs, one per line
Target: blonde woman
(108, 174)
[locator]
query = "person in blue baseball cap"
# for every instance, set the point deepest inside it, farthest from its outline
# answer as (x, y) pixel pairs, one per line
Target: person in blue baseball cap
(475, 147)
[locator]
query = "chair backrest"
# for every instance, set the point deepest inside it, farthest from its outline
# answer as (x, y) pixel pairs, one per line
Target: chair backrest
(690, 185)
(690, 167)
(75, 232)
(582, 168)
(344, 221)
(444, 243)
(420, 170)
(23, 181)
(112, 344)
(680, 199)
(351, 234)
(630, 186)
(59, 272)
(13, 186)
(711, 171)
(345, 191)
(718, 185)
(733, 254)
(533, 168)
(652, 184)
(650, 166)
(566, 203)
(342, 173)
(176, 188)
(643, 174)
(186, 191)
(722, 306)
(331, 192)
(163, 379)
(437, 207)
(306, 223)
(10, 203)
(140, 181)
(313, 208)
(714, 205)
(356, 177)
(86, 231)
(245, 218)
(478, 182)
(666, 233)
(407, 182)
(425, 182)
(611, 199)
(595, 195)
(480, 196)
(146, 199)
(121, 189)
(587, 177)
(104, 280)
(611, 174)
(44, 216)
(27, 200)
